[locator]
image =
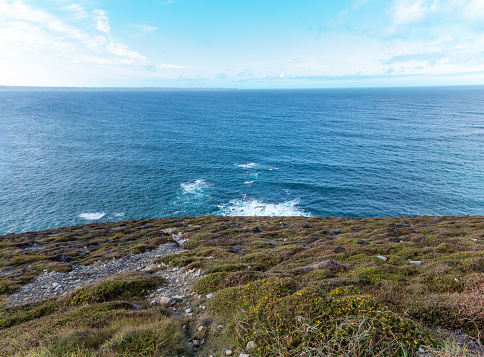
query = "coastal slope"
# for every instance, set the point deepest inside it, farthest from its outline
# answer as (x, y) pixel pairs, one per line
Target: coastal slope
(260, 286)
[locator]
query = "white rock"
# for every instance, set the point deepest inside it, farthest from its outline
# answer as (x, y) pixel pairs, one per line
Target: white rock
(228, 352)
(415, 262)
(382, 257)
(250, 346)
(244, 355)
(164, 301)
(209, 296)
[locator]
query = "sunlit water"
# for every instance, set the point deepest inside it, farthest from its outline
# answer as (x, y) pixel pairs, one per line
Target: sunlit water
(74, 157)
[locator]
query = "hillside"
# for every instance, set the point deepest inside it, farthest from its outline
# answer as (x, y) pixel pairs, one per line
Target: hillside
(259, 286)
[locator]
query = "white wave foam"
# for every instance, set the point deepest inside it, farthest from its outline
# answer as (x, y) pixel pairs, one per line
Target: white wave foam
(248, 165)
(194, 187)
(92, 216)
(258, 208)
(248, 182)
(121, 214)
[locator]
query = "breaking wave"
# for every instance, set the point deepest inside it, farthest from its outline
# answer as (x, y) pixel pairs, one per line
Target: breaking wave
(194, 187)
(246, 207)
(92, 216)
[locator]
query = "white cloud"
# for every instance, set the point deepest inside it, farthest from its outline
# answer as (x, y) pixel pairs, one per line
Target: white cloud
(37, 46)
(141, 30)
(121, 50)
(77, 10)
(475, 9)
(409, 11)
(170, 66)
(102, 21)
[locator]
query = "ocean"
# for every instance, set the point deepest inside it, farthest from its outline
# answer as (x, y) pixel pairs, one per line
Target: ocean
(70, 157)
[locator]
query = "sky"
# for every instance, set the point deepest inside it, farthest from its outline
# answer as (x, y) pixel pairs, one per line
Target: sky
(241, 43)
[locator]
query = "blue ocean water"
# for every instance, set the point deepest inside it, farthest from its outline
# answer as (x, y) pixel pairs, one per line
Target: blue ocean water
(71, 157)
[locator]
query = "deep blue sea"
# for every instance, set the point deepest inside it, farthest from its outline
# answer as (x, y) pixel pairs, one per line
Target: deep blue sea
(70, 157)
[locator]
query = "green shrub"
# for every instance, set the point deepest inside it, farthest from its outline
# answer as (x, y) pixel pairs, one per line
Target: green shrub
(126, 286)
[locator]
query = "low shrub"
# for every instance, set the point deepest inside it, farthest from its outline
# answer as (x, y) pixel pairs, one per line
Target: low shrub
(123, 286)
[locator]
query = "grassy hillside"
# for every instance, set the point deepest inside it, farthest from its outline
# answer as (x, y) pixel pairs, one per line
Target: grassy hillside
(285, 286)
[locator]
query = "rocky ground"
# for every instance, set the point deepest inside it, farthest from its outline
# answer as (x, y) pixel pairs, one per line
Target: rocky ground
(56, 284)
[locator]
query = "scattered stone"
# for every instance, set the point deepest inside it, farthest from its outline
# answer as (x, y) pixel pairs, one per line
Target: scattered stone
(56, 284)
(196, 343)
(272, 242)
(220, 327)
(382, 257)
(244, 355)
(330, 264)
(250, 346)
(209, 296)
(415, 262)
(164, 301)
(228, 352)
(333, 231)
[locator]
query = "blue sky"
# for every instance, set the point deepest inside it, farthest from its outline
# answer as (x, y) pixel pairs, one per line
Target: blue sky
(241, 43)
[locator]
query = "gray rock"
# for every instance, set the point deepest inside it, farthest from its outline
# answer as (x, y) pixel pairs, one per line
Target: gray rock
(415, 262)
(228, 352)
(382, 258)
(244, 355)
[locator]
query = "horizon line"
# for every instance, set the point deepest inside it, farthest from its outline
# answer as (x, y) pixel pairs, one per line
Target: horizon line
(2, 87)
